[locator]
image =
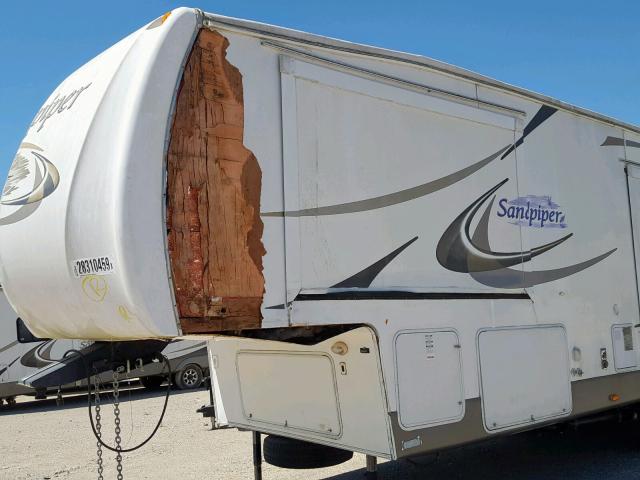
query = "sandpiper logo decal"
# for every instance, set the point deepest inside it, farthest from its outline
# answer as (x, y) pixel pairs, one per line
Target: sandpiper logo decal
(32, 177)
(532, 211)
(460, 251)
(59, 104)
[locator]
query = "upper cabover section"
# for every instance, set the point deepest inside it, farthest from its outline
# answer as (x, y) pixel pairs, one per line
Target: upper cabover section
(309, 41)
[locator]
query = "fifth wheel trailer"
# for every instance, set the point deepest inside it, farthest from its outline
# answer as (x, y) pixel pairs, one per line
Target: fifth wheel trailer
(386, 254)
(21, 361)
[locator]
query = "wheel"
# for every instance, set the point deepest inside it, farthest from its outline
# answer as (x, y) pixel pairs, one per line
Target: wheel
(289, 453)
(11, 401)
(189, 377)
(151, 382)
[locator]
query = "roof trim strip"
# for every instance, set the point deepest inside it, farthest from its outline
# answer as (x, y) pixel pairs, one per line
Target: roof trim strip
(389, 79)
(266, 30)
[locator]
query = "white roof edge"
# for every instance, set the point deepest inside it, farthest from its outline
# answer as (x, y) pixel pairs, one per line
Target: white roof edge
(264, 29)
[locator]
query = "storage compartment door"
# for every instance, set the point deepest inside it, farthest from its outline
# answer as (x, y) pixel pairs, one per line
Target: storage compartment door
(524, 376)
(429, 378)
(306, 379)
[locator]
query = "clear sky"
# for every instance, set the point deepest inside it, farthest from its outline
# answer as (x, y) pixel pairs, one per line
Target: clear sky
(581, 51)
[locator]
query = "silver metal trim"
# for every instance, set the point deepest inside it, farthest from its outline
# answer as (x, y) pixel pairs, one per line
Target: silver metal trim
(389, 79)
(629, 162)
(265, 30)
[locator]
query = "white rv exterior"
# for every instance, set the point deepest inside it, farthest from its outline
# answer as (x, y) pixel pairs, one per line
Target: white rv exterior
(447, 257)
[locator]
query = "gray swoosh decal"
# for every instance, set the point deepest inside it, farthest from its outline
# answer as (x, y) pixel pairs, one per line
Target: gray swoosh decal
(619, 142)
(43, 186)
(33, 357)
(510, 278)
(421, 190)
(199, 344)
(20, 214)
(2, 370)
(391, 198)
(32, 146)
(8, 346)
(456, 250)
(25, 210)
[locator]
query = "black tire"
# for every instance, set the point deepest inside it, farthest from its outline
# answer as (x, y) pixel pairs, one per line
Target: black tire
(152, 382)
(189, 377)
(289, 453)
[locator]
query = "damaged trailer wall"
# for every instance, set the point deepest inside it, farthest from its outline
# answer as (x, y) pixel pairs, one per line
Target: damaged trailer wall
(213, 195)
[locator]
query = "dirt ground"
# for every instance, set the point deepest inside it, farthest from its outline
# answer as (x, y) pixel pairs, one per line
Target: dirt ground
(39, 440)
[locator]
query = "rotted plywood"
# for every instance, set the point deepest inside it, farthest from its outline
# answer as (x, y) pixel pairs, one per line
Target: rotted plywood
(213, 194)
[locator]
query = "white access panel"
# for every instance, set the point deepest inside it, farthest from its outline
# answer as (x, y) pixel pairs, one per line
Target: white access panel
(308, 381)
(624, 354)
(524, 375)
(429, 378)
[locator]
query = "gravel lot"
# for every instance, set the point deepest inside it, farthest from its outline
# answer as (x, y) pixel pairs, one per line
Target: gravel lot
(40, 440)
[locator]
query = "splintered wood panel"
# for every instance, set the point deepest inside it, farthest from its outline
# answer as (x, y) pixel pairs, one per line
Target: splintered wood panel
(213, 196)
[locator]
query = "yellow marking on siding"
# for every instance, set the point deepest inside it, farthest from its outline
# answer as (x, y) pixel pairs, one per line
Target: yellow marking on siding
(95, 287)
(125, 313)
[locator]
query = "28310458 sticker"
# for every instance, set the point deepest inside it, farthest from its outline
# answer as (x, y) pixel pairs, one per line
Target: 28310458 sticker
(92, 266)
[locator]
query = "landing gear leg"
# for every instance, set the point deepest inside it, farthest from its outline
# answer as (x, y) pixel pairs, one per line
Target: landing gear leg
(257, 456)
(209, 385)
(372, 468)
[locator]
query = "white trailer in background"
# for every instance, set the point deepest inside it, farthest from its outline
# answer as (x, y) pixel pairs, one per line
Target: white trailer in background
(20, 361)
(387, 254)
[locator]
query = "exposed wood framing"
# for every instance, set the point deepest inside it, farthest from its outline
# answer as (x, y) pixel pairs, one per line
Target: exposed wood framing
(213, 196)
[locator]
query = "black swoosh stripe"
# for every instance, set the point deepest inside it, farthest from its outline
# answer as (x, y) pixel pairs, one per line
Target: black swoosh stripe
(32, 357)
(538, 119)
(277, 307)
(403, 295)
(364, 278)
(2, 370)
(619, 142)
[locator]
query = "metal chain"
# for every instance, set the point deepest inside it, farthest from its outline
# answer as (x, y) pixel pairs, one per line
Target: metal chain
(116, 413)
(98, 426)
